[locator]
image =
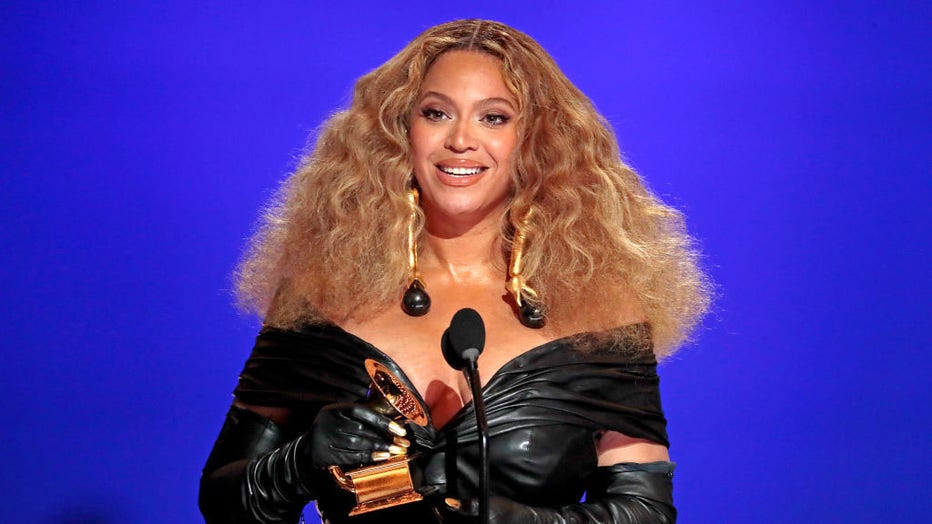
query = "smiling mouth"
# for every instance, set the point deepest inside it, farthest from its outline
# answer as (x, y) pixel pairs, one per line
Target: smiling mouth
(461, 171)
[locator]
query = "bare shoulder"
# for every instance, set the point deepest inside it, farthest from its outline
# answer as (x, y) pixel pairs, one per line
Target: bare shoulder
(278, 415)
(614, 447)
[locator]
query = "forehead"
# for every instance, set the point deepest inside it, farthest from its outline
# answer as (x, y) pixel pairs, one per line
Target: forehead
(458, 69)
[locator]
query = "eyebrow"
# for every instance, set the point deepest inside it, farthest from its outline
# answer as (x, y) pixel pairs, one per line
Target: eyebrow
(484, 101)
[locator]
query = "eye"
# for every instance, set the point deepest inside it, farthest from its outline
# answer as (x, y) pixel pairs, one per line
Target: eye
(434, 115)
(496, 119)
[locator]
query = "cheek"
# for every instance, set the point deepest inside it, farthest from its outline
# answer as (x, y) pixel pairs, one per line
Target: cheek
(505, 147)
(422, 140)
(419, 151)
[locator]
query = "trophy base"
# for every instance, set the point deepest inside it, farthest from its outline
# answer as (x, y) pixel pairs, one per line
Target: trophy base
(378, 486)
(387, 502)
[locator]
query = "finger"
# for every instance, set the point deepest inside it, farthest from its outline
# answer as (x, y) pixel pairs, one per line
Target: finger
(355, 436)
(468, 507)
(429, 491)
(393, 451)
(369, 446)
(376, 452)
(350, 457)
(352, 434)
(365, 448)
(359, 438)
(397, 429)
(386, 426)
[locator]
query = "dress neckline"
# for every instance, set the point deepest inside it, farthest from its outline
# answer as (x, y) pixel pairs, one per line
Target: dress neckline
(468, 406)
(410, 385)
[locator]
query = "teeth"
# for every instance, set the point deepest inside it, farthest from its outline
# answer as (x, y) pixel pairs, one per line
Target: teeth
(461, 171)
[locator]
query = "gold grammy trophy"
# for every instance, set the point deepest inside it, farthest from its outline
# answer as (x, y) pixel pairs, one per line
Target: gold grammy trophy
(388, 483)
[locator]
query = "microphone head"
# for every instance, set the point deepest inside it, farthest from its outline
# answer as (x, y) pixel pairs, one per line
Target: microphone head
(464, 340)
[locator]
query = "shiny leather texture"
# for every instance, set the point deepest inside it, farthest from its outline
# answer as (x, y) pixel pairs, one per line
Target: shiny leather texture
(619, 494)
(238, 483)
(346, 435)
(543, 408)
(278, 484)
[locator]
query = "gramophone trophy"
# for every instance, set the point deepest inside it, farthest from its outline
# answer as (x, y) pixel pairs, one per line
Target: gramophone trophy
(388, 483)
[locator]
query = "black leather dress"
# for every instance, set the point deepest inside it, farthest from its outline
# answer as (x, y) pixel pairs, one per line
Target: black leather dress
(543, 407)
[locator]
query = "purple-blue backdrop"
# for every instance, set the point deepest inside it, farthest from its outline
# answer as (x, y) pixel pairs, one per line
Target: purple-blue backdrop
(140, 139)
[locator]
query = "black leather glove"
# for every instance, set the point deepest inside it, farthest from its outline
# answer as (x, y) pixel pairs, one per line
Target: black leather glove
(273, 479)
(350, 435)
(619, 494)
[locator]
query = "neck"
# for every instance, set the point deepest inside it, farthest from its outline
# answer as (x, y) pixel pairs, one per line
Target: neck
(461, 250)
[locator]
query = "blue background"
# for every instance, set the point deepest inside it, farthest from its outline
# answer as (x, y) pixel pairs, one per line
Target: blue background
(139, 141)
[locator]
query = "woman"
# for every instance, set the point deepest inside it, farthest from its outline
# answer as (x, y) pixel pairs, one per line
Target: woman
(468, 172)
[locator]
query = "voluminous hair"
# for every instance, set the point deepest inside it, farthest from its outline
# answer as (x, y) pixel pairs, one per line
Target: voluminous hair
(332, 244)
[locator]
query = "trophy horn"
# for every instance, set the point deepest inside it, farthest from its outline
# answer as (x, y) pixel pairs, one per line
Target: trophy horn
(390, 397)
(388, 483)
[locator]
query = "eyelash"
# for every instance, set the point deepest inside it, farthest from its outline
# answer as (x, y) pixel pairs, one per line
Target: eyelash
(432, 114)
(492, 119)
(499, 118)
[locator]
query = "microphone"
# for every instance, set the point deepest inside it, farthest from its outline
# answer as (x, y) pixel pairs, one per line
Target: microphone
(462, 343)
(464, 340)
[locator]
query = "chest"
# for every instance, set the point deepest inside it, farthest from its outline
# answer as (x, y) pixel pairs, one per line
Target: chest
(414, 344)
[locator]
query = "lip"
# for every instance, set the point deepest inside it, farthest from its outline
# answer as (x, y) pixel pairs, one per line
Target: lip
(459, 162)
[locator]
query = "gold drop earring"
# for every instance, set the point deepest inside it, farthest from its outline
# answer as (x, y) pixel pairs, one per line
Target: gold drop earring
(416, 301)
(530, 312)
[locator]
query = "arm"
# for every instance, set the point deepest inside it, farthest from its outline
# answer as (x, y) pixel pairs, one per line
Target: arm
(246, 436)
(626, 493)
(258, 473)
(633, 484)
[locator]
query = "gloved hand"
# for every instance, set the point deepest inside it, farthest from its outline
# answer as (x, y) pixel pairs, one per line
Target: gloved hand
(351, 435)
(276, 477)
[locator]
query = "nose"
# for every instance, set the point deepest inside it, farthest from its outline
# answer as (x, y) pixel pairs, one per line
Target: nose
(461, 138)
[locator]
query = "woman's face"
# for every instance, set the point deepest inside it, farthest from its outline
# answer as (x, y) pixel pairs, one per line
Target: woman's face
(463, 130)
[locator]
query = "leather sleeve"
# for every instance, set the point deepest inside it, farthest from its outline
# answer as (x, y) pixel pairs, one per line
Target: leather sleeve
(251, 474)
(620, 494)
(225, 495)
(628, 493)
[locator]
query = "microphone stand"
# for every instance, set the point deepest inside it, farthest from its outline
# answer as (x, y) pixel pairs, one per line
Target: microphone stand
(472, 377)
(462, 343)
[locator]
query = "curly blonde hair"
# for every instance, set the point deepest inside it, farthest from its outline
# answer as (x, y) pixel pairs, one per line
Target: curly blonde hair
(332, 244)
